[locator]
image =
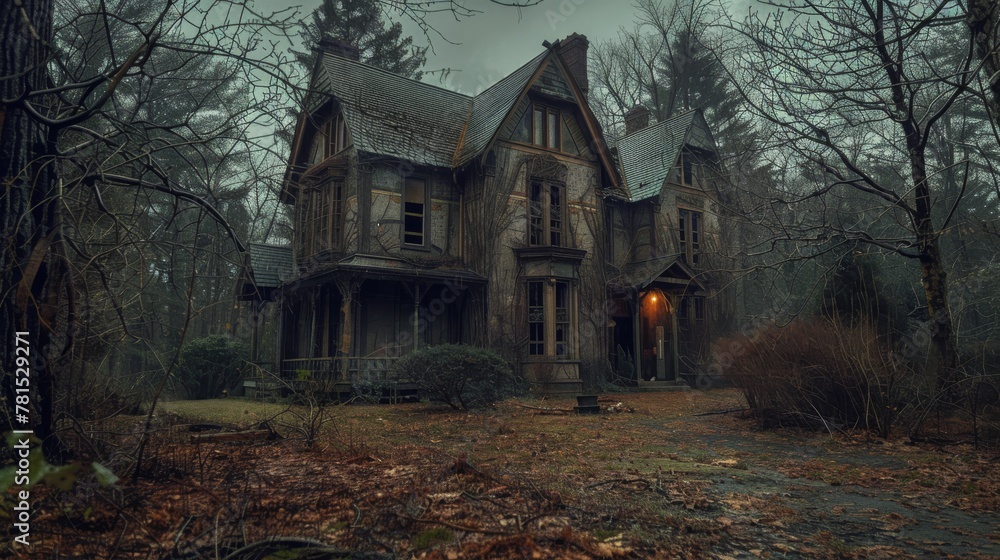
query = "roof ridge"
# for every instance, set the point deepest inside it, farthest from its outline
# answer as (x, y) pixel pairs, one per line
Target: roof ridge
(395, 75)
(534, 60)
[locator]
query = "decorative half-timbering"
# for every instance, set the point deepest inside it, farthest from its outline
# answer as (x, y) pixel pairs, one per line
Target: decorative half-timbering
(423, 216)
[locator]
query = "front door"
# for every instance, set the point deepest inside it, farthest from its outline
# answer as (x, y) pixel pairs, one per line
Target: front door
(654, 344)
(661, 354)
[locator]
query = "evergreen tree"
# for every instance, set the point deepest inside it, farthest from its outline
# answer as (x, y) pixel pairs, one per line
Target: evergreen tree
(359, 22)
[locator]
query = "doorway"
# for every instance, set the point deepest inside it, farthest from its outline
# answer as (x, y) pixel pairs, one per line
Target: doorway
(656, 337)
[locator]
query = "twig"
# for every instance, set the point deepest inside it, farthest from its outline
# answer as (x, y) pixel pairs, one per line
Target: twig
(455, 526)
(617, 481)
(727, 411)
(546, 410)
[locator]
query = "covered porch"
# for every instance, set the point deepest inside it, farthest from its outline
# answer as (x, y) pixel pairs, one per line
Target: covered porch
(343, 328)
(646, 324)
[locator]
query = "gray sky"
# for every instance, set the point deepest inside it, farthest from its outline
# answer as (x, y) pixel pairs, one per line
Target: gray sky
(497, 41)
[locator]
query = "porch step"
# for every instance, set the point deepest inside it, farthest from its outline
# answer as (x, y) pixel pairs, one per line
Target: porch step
(662, 386)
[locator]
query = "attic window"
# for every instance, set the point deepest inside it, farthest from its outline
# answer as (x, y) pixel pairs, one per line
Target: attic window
(545, 127)
(335, 136)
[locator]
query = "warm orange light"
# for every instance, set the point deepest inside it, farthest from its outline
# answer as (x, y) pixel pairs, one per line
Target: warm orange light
(653, 299)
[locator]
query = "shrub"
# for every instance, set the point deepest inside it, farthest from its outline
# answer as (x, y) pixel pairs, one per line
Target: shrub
(816, 372)
(211, 364)
(459, 376)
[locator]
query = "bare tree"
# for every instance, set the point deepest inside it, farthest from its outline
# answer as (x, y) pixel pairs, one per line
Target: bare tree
(852, 94)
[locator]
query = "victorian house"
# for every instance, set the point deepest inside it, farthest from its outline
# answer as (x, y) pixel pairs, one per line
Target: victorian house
(423, 216)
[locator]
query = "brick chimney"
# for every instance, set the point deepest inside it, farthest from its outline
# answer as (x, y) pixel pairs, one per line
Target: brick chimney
(637, 118)
(338, 47)
(574, 53)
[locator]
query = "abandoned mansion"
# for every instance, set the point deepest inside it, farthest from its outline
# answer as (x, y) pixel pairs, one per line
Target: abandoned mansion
(507, 219)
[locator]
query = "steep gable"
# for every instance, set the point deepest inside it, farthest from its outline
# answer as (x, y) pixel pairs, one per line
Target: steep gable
(398, 117)
(553, 82)
(395, 116)
(648, 156)
(490, 108)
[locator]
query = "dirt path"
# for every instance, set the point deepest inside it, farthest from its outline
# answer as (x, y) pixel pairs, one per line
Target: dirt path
(787, 517)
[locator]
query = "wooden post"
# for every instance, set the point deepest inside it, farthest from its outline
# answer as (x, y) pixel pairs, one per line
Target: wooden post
(348, 288)
(416, 316)
(637, 336)
(674, 337)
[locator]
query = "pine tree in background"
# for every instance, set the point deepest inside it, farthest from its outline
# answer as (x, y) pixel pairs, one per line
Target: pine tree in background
(693, 78)
(360, 23)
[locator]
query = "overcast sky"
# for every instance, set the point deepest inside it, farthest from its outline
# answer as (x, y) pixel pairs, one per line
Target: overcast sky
(498, 40)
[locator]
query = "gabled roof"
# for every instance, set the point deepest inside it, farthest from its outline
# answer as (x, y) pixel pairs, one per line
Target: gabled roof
(671, 269)
(395, 116)
(400, 117)
(648, 156)
(269, 266)
(491, 106)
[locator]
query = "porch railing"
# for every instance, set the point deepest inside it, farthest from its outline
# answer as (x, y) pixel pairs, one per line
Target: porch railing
(330, 369)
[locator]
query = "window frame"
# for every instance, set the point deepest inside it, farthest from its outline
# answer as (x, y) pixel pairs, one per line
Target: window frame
(551, 324)
(320, 217)
(545, 127)
(686, 173)
(541, 210)
(425, 216)
(335, 135)
(691, 233)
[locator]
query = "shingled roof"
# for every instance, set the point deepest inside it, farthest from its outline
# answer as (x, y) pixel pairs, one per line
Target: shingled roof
(395, 116)
(648, 156)
(269, 266)
(491, 106)
(400, 117)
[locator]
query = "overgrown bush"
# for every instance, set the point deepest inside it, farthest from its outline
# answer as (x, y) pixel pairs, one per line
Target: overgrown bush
(459, 376)
(816, 372)
(209, 365)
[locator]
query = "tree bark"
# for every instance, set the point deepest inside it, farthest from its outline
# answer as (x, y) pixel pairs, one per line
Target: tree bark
(943, 351)
(28, 211)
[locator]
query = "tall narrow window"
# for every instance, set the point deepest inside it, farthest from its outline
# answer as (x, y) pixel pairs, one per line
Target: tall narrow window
(546, 127)
(555, 215)
(538, 136)
(552, 128)
(562, 319)
(415, 212)
(536, 318)
(322, 220)
(337, 214)
(689, 225)
(549, 318)
(687, 169)
(546, 213)
(335, 136)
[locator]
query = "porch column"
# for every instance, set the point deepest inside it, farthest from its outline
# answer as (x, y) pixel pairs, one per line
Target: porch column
(673, 336)
(416, 316)
(637, 336)
(349, 289)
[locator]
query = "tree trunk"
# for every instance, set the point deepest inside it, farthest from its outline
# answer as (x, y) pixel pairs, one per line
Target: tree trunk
(943, 351)
(28, 208)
